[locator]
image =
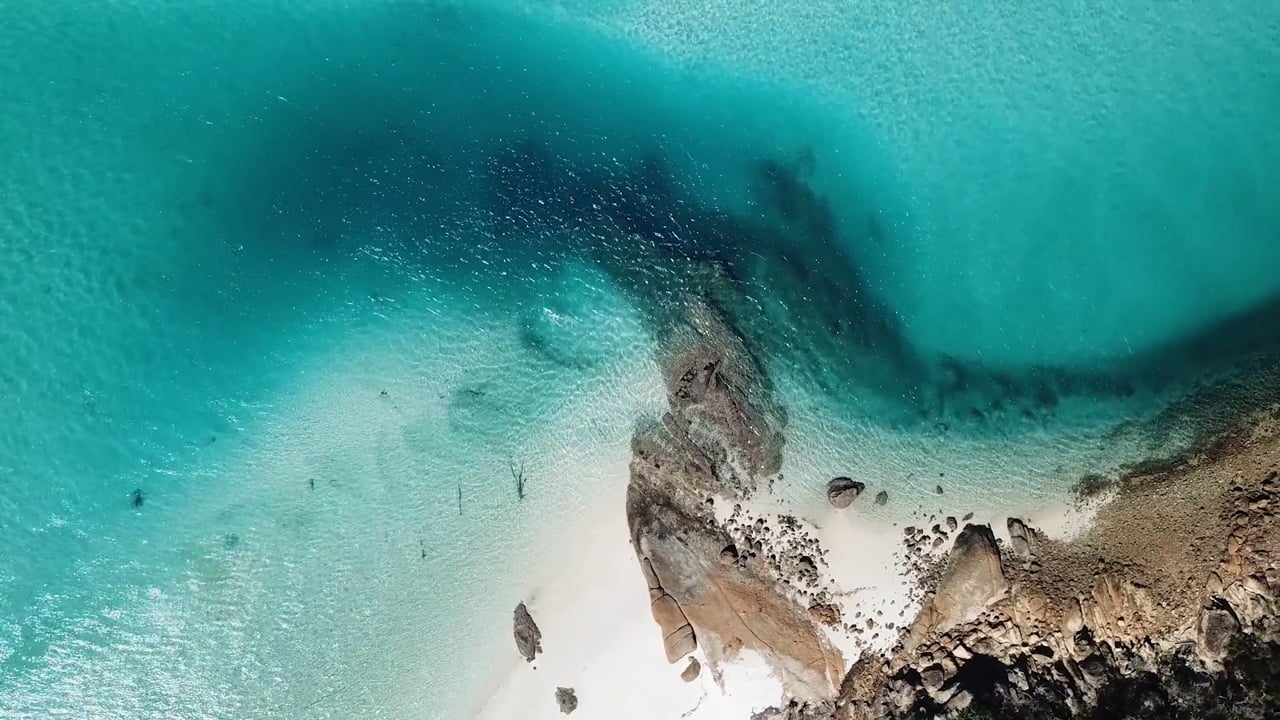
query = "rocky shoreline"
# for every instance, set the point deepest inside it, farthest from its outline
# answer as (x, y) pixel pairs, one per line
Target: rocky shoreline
(1166, 606)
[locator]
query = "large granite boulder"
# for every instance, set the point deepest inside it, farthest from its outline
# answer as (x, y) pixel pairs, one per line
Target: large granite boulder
(974, 578)
(842, 491)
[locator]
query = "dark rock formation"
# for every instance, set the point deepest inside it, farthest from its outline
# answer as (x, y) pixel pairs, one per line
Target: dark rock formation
(566, 699)
(882, 497)
(842, 491)
(528, 636)
(722, 438)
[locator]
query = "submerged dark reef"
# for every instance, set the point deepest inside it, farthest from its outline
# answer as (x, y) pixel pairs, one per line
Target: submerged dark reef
(489, 163)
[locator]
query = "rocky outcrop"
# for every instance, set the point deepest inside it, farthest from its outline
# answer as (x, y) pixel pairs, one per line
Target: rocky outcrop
(567, 699)
(720, 441)
(842, 491)
(528, 636)
(1121, 618)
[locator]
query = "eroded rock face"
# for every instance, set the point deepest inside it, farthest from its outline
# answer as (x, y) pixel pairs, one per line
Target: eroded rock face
(677, 635)
(528, 636)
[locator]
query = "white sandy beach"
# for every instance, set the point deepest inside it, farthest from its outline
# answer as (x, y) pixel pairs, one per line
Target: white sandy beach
(600, 639)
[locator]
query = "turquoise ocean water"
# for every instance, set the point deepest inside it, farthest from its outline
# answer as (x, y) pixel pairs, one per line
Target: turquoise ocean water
(306, 273)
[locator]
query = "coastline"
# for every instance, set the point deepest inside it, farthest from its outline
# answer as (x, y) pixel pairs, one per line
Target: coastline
(598, 638)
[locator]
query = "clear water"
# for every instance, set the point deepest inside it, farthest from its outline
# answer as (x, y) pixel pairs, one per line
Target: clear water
(966, 241)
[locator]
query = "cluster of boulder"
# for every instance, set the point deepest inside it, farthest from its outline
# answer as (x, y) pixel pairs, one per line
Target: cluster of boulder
(991, 631)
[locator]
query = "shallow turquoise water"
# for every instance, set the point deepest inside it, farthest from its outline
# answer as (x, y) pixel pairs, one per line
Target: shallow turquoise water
(225, 230)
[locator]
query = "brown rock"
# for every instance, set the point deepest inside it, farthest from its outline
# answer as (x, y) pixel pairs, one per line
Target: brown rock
(842, 491)
(974, 578)
(567, 699)
(666, 612)
(690, 673)
(1019, 537)
(528, 636)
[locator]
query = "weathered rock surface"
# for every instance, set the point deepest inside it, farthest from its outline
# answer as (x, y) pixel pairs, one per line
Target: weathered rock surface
(528, 636)
(678, 639)
(567, 699)
(842, 491)
(1021, 538)
(973, 580)
(1168, 601)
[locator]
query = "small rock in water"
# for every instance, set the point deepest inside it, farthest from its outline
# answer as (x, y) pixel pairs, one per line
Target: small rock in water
(938, 489)
(690, 673)
(882, 497)
(566, 699)
(842, 491)
(951, 523)
(967, 517)
(528, 636)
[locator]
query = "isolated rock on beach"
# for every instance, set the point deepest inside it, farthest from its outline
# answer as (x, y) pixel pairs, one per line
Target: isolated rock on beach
(842, 491)
(882, 497)
(528, 636)
(690, 673)
(567, 699)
